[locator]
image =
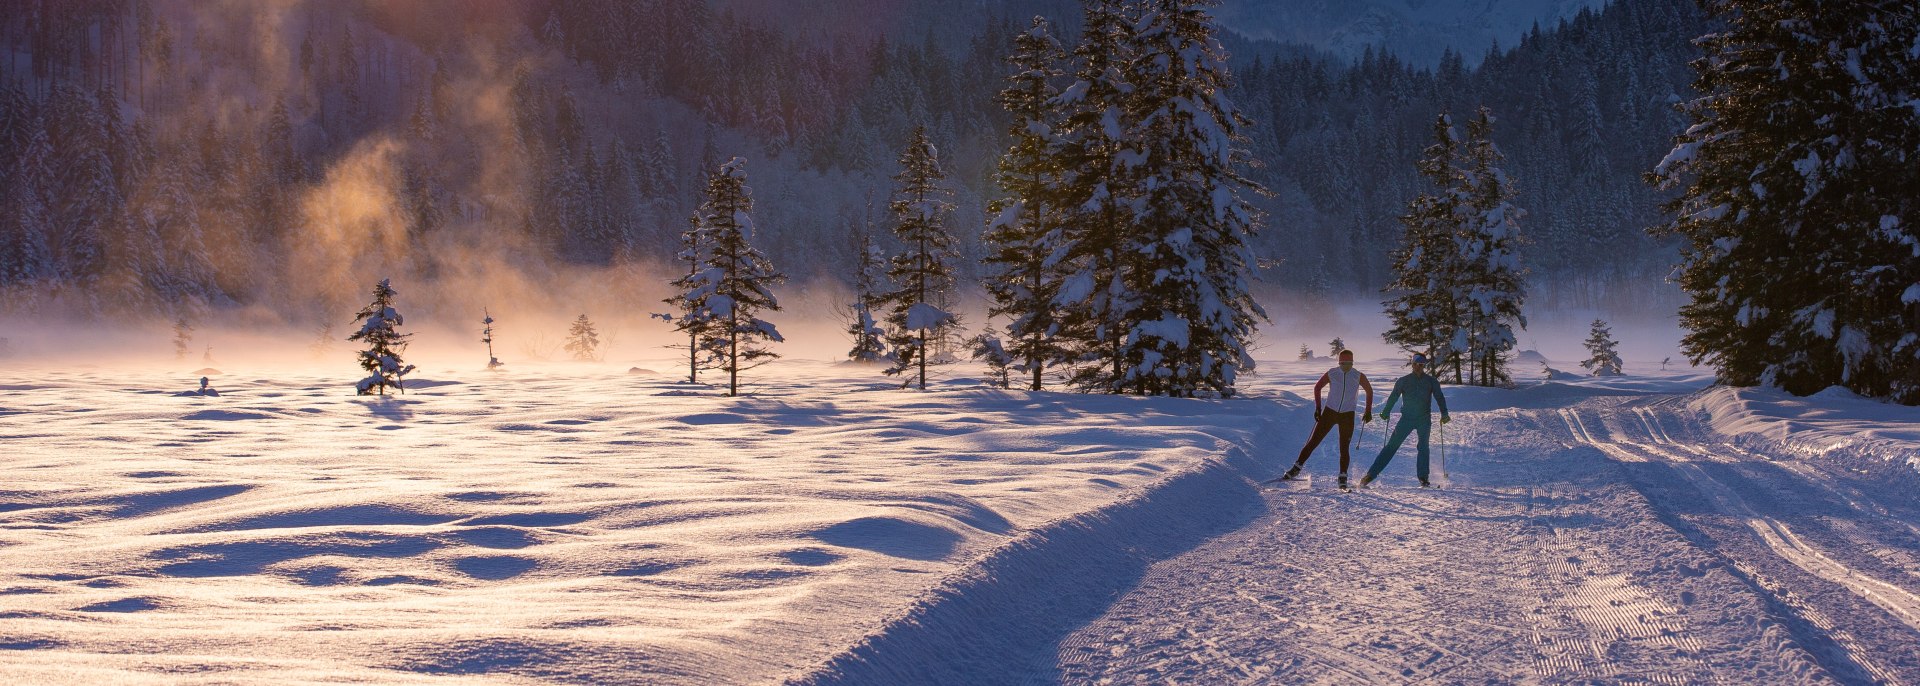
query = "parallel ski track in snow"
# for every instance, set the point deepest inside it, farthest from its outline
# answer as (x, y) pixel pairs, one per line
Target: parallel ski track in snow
(1685, 458)
(1614, 539)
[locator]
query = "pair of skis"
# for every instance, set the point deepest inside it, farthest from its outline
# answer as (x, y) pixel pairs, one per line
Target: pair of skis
(1306, 480)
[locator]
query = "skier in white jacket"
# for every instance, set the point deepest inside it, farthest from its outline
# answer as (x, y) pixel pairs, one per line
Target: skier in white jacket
(1346, 383)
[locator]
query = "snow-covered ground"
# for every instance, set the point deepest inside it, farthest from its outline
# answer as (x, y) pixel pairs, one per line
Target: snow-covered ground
(580, 524)
(573, 523)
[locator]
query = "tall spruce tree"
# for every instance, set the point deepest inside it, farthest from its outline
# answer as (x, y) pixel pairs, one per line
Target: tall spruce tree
(1192, 313)
(1092, 296)
(1490, 286)
(1603, 357)
(924, 271)
(381, 360)
(1024, 225)
(692, 317)
(1799, 205)
(741, 278)
(1421, 311)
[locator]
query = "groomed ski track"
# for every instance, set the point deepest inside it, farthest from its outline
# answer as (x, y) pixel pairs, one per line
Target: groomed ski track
(1584, 539)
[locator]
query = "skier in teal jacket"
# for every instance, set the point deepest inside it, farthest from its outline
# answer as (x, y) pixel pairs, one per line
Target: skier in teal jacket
(1420, 389)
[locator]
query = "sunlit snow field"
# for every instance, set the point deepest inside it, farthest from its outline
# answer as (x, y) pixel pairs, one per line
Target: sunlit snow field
(572, 521)
(583, 523)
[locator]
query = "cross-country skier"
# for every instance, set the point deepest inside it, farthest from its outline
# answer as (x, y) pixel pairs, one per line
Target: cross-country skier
(1347, 383)
(1420, 389)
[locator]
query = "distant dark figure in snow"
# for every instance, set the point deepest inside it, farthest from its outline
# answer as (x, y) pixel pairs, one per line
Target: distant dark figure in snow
(1604, 360)
(582, 340)
(204, 390)
(1422, 391)
(381, 359)
(1337, 411)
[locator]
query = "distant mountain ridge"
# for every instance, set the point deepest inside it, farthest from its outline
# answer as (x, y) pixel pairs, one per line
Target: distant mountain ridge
(1418, 31)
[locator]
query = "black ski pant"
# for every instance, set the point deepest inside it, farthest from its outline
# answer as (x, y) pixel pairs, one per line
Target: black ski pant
(1328, 420)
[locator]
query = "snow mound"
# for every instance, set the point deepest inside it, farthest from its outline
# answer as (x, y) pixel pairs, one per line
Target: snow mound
(206, 371)
(1834, 423)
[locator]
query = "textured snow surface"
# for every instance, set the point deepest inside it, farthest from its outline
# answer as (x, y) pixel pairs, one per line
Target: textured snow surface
(569, 523)
(1598, 532)
(575, 524)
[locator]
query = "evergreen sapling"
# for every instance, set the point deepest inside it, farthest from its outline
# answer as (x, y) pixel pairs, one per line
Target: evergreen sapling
(381, 360)
(583, 341)
(1603, 359)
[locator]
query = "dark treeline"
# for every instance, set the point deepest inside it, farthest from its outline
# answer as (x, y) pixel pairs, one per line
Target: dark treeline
(169, 157)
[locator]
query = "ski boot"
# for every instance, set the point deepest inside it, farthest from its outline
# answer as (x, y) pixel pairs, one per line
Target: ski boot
(1291, 474)
(1343, 482)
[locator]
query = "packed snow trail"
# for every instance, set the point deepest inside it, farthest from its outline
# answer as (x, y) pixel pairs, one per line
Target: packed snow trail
(1612, 539)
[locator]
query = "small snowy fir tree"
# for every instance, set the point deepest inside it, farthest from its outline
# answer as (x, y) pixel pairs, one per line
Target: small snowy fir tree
(1605, 361)
(742, 278)
(486, 336)
(1306, 353)
(206, 356)
(182, 338)
(381, 360)
(1024, 225)
(868, 338)
(691, 290)
(1799, 203)
(925, 270)
(986, 347)
(583, 341)
(1335, 346)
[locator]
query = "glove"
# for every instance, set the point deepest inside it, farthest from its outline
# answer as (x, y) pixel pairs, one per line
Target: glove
(1316, 415)
(1444, 419)
(1366, 418)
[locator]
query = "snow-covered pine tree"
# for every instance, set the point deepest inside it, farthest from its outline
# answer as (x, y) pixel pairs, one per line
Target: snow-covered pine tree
(987, 347)
(869, 340)
(691, 291)
(1604, 360)
(925, 270)
(583, 341)
(1335, 346)
(1421, 311)
(1306, 353)
(182, 337)
(1024, 226)
(381, 360)
(1092, 296)
(1188, 281)
(1489, 285)
(1799, 205)
(486, 336)
(741, 278)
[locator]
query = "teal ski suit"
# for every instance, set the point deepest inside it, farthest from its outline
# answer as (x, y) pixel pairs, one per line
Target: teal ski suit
(1420, 390)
